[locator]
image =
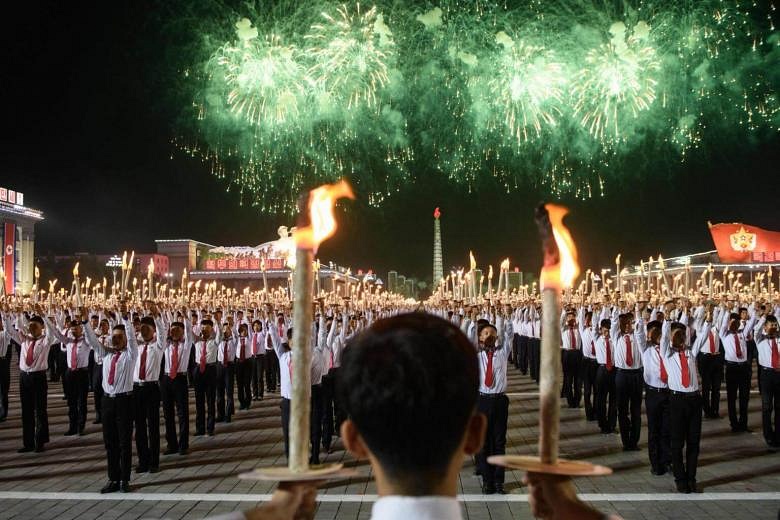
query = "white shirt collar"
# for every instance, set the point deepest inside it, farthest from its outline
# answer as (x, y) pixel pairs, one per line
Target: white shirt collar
(419, 508)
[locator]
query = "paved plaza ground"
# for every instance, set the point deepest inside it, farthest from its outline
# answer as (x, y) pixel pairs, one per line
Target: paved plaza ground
(740, 477)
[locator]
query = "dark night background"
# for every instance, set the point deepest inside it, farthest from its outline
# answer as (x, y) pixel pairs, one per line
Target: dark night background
(85, 137)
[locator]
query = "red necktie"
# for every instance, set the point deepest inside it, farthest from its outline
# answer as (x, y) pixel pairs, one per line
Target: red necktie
(30, 352)
(737, 345)
(592, 348)
(241, 355)
(289, 368)
(224, 353)
(664, 375)
(629, 352)
(142, 366)
(174, 361)
(331, 358)
(489, 370)
(775, 355)
(609, 355)
(572, 340)
(112, 370)
(74, 361)
(281, 332)
(254, 344)
(712, 342)
(203, 358)
(686, 375)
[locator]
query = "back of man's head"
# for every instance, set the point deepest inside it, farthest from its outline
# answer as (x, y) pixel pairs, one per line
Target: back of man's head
(409, 384)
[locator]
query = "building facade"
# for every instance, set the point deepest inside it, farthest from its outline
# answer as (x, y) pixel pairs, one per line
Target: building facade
(17, 225)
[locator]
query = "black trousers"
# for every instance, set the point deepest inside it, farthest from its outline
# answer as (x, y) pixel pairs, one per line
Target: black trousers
(628, 390)
(534, 359)
(118, 435)
(658, 435)
(285, 407)
(685, 432)
(496, 409)
(175, 399)
(605, 399)
(226, 377)
(753, 355)
(33, 392)
(244, 382)
(271, 370)
(5, 382)
(62, 366)
(711, 371)
(315, 423)
(258, 376)
(97, 389)
(332, 414)
(516, 350)
(572, 386)
(78, 381)
(738, 388)
(522, 355)
(147, 424)
(205, 398)
(588, 368)
(770, 404)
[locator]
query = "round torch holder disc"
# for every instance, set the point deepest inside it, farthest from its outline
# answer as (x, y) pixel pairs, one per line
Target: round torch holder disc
(284, 474)
(571, 468)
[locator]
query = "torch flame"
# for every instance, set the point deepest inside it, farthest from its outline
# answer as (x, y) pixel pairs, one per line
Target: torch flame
(37, 272)
(490, 273)
(322, 222)
(124, 260)
(505, 265)
(617, 259)
(563, 273)
(472, 261)
(436, 213)
(76, 269)
(150, 269)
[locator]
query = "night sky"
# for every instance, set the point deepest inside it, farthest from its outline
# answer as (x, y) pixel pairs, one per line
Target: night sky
(87, 139)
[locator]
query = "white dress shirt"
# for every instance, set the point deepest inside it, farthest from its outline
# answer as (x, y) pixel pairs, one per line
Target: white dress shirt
(416, 508)
(154, 355)
(82, 350)
(765, 347)
(123, 362)
(673, 361)
(651, 360)
(40, 345)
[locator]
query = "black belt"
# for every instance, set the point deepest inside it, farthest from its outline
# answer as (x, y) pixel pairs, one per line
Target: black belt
(84, 369)
(145, 383)
(492, 396)
(650, 388)
(685, 394)
(630, 370)
(120, 394)
(736, 363)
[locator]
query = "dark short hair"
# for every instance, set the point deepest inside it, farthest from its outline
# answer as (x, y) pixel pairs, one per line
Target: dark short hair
(605, 323)
(676, 325)
(771, 318)
(410, 385)
(119, 326)
(75, 323)
(207, 322)
(147, 320)
(484, 325)
(177, 324)
(655, 324)
(36, 319)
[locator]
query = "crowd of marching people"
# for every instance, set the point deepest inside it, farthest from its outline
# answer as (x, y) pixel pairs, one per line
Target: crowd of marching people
(143, 358)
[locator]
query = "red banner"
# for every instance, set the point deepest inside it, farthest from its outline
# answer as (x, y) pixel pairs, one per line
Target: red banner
(233, 264)
(9, 257)
(743, 243)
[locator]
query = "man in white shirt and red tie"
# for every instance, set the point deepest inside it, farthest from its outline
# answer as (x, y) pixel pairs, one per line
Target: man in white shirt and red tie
(226, 373)
(257, 345)
(77, 358)
(205, 379)
(119, 362)
(571, 358)
(244, 366)
(493, 359)
(628, 379)
(685, 404)
(768, 346)
(36, 337)
(173, 387)
(710, 361)
(656, 400)
(146, 392)
(737, 369)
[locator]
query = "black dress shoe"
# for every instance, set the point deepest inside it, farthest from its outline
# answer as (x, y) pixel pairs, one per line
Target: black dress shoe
(70, 432)
(220, 419)
(111, 487)
(141, 469)
(124, 487)
(682, 487)
(170, 451)
(40, 449)
(692, 487)
(488, 490)
(228, 419)
(199, 434)
(24, 449)
(183, 451)
(82, 432)
(154, 469)
(500, 489)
